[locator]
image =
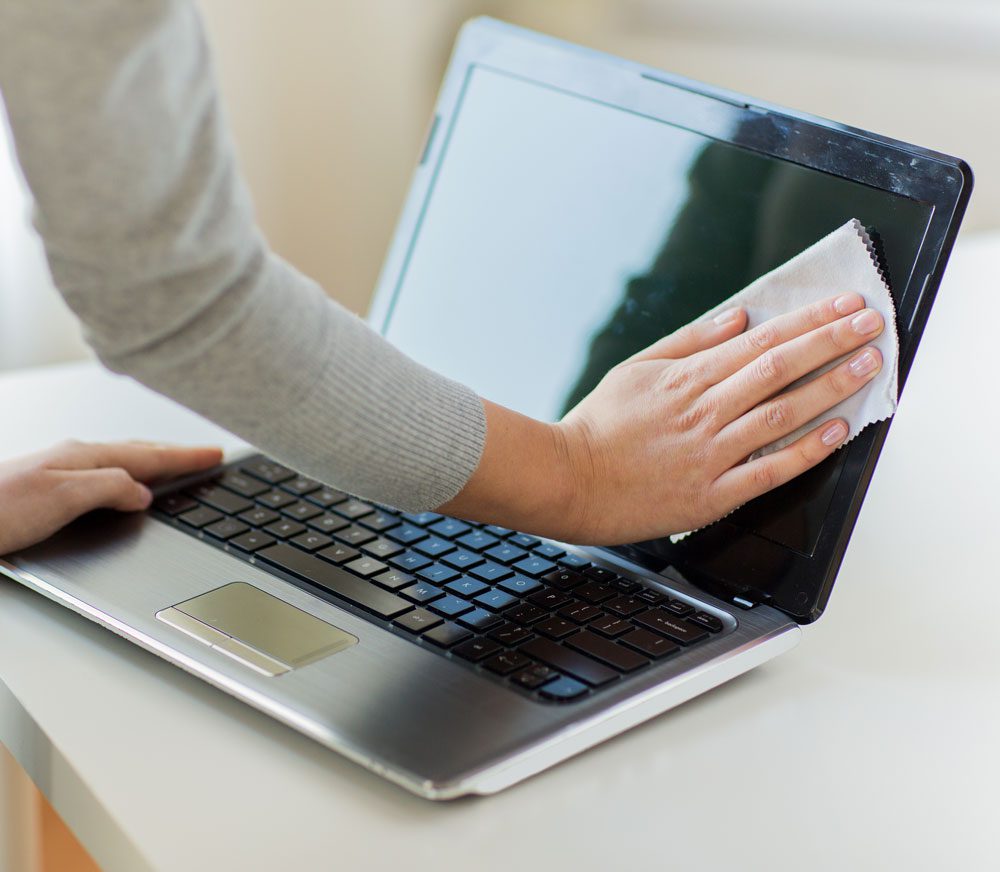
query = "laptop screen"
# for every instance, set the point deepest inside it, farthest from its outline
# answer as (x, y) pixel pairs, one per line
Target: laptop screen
(562, 234)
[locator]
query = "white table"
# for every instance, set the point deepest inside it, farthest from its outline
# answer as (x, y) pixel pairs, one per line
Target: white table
(874, 745)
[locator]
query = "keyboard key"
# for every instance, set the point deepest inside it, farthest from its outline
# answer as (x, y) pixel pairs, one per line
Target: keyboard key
(671, 626)
(355, 535)
(623, 659)
(380, 520)
(505, 553)
(574, 561)
(650, 596)
(505, 662)
(285, 528)
(326, 497)
(563, 579)
(422, 519)
(498, 531)
(275, 499)
(258, 516)
(354, 509)
(509, 634)
(200, 517)
(599, 573)
(252, 541)
(300, 486)
(578, 665)
(406, 534)
(334, 579)
(477, 540)
(267, 470)
(226, 528)
(467, 587)
(548, 599)
(525, 613)
(338, 553)
(563, 689)
(449, 528)
(174, 504)
(409, 561)
(311, 541)
(447, 634)
(301, 511)
(649, 644)
(480, 620)
(417, 621)
(549, 551)
(328, 523)
(707, 621)
(434, 546)
(394, 579)
(221, 499)
(422, 592)
(595, 592)
(625, 605)
(555, 628)
(495, 600)
(580, 613)
(627, 585)
(519, 585)
(490, 572)
(476, 649)
(463, 559)
(610, 626)
(451, 606)
(523, 540)
(382, 548)
(366, 566)
(535, 566)
(437, 573)
(676, 607)
(534, 676)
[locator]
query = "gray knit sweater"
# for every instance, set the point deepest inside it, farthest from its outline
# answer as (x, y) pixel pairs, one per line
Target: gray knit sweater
(150, 235)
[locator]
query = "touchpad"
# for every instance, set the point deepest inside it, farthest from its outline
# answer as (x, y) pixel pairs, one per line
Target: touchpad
(258, 629)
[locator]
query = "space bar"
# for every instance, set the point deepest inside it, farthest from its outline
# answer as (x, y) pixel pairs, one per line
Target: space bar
(334, 579)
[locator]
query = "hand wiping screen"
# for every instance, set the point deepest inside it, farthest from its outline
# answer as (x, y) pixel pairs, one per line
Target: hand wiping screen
(842, 261)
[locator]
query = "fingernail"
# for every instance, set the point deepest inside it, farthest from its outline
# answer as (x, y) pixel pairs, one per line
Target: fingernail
(866, 322)
(847, 303)
(863, 364)
(834, 434)
(727, 317)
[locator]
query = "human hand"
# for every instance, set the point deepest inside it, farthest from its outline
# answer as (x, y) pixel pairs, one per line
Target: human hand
(660, 445)
(42, 492)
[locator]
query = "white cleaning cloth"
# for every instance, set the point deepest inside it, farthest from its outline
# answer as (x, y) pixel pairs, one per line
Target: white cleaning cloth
(840, 263)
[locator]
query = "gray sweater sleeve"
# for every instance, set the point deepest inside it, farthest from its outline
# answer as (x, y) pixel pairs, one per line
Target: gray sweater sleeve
(151, 238)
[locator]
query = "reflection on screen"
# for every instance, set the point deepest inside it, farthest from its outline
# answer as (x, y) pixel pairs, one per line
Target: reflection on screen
(562, 235)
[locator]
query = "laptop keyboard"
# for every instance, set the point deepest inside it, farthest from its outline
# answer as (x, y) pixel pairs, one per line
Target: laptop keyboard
(514, 607)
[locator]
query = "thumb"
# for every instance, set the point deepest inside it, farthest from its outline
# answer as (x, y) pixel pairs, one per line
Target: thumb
(108, 488)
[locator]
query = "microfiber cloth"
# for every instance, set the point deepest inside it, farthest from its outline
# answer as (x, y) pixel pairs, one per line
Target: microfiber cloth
(842, 262)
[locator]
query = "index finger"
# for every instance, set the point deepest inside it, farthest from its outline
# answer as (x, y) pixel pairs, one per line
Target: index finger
(142, 460)
(721, 362)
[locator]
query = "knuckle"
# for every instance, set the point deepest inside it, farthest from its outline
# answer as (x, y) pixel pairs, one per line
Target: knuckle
(777, 415)
(765, 475)
(771, 366)
(838, 384)
(676, 378)
(763, 337)
(819, 315)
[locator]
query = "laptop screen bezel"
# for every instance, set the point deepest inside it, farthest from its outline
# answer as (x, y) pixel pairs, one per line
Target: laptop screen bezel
(716, 559)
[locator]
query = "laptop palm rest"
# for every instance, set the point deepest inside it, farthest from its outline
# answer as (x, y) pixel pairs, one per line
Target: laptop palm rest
(260, 630)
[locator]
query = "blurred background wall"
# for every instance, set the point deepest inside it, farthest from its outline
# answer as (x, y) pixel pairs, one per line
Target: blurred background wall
(329, 101)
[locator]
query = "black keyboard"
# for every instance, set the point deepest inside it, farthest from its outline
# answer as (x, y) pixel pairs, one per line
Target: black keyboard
(514, 607)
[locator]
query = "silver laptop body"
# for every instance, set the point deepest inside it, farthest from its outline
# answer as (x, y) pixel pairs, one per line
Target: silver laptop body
(469, 298)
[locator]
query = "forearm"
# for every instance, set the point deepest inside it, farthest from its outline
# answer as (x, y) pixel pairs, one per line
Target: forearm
(525, 479)
(151, 238)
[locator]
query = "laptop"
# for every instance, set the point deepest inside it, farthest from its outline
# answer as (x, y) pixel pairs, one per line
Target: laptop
(568, 209)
